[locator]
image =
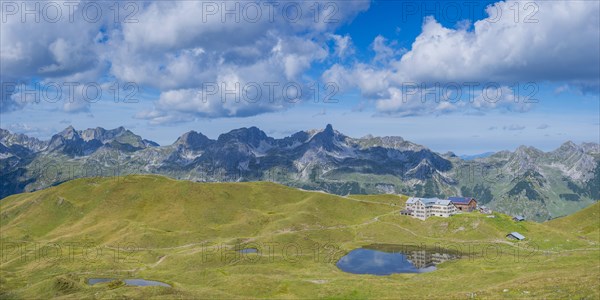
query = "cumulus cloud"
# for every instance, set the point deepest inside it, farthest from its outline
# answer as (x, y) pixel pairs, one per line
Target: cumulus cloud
(175, 47)
(64, 45)
(384, 49)
(23, 128)
(189, 51)
(33, 131)
(343, 45)
(557, 43)
(9, 102)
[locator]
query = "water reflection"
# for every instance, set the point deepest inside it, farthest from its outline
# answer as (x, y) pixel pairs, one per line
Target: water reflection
(390, 259)
(129, 282)
(248, 250)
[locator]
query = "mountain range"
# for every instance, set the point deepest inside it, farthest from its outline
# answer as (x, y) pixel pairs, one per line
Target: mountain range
(539, 185)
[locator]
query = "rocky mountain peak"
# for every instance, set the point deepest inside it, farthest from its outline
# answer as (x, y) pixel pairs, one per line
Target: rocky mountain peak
(591, 148)
(193, 140)
(69, 133)
(78, 143)
(91, 134)
(329, 139)
(252, 136)
(33, 144)
(528, 151)
(569, 146)
(311, 157)
(449, 154)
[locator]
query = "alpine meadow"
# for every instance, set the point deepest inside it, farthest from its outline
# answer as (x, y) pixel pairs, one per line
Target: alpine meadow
(250, 149)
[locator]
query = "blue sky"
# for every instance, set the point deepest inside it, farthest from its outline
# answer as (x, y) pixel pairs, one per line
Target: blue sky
(527, 72)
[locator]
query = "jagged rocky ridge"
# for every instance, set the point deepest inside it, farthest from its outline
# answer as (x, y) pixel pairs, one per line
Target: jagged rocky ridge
(528, 181)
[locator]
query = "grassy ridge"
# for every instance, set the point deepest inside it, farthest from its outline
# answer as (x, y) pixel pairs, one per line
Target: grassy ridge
(171, 211)
(583, 223)
(186, 234)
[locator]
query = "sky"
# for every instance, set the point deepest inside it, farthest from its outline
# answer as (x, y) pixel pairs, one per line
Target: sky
(462, 76)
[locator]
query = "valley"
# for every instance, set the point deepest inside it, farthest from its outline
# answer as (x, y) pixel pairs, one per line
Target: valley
(539, 185)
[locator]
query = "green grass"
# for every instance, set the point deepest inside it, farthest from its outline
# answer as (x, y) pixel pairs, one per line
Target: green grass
(186, 234)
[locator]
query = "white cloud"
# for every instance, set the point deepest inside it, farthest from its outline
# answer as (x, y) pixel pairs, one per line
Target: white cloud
(176, 46)
(384, 50)
(271, 50)
(561, 46)
(23, 128)
(343, 45)
(156, 50)
(173, 49)
(47, 49)
(558, 43)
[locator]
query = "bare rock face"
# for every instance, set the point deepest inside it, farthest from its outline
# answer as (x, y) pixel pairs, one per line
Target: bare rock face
(527, 179)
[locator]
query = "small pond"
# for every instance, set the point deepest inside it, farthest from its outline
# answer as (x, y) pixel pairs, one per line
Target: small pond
(248, 250)
(390, 259)
(129, 282)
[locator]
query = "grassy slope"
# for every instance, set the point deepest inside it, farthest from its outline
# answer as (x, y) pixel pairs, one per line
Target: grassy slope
(584, 223)
(185, 234)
